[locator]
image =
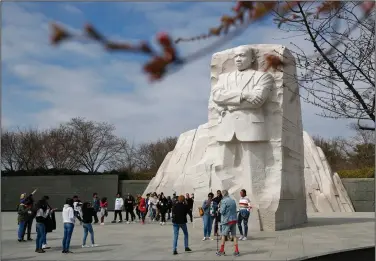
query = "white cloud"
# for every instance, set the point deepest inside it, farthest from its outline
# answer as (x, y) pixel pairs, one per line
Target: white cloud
(72, 9)
(87, 89)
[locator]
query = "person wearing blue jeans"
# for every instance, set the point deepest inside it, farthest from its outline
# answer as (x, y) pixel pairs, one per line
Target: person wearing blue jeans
(41, 233)
(209, 207)
(41, 215)
(179, 221)
(22, 211)
(68, 219)
(88, 213)
(244, 212)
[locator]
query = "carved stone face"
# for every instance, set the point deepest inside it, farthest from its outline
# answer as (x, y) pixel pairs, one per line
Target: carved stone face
(243, 58)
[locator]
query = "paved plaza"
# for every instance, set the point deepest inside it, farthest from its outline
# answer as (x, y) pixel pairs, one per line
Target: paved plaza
(322, 234)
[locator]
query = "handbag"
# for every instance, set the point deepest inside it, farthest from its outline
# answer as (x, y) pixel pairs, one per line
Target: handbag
(201, 211)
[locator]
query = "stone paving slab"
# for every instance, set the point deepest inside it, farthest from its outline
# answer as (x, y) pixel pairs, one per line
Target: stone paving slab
(323, 233)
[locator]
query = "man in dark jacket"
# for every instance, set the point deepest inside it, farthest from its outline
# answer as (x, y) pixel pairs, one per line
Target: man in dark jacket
(129, 206)
(179, 220)
(217, 200)
(189, 201)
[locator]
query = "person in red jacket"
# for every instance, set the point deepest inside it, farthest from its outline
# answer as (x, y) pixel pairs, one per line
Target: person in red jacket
(142, 208)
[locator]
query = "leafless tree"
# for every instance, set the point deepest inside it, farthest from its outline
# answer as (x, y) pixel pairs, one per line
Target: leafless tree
(58, 148)
(339, 78)
(151, 155)
(125, 160)
(8, 151)
(24, 150)
(94, 143)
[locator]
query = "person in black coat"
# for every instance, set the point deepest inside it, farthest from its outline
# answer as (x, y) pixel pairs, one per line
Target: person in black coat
(179, 221)
(217, 217)
(129, 204)
(189, 201)
(162, 206)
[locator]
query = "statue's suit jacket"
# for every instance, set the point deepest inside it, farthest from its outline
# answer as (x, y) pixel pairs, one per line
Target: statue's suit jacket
(243, 119)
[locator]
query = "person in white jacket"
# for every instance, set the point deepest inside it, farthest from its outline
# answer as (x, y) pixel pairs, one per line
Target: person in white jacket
(68, 219)
(119, 204)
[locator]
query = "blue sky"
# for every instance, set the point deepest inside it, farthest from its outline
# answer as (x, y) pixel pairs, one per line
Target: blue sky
(43, 86)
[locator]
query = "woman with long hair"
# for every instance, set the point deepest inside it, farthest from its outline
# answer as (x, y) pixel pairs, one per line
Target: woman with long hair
(88, 213)
(40, 218)
(210, 207)
(69, 219)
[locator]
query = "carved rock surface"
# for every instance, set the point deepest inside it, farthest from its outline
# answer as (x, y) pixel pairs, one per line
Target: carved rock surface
(280, 201)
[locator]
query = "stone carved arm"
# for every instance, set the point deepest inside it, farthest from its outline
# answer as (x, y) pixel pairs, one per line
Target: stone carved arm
(260, 92)
(223, 97)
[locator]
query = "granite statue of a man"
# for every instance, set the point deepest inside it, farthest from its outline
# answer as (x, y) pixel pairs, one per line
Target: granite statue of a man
(241, 133)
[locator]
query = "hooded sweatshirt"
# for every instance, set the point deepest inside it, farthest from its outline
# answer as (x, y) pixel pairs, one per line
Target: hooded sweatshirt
(119, 203)
(68, 214)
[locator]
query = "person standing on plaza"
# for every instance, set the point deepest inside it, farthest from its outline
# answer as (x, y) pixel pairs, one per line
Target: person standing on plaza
(50, 222)
(119, 204)
(209, 207)
(179, 221)
(96, 207)
(244, 213)
(190, 206)
(42, 212)
(88, 213)
(23, 212)
(137, 203)
(104, 211)
(69, 219)
(163, 207)
(228, 222)
(169, 207)
(217, 218)
(129, 207)
(143, 210)
(153, 201)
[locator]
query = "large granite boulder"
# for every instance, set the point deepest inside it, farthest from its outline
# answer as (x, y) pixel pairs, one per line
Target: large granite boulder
(280, 181)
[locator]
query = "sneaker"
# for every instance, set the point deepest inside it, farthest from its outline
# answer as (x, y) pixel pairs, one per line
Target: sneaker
(187, 249)
(142, 222)
(220, 253)
(241, 238)
(45, 247)
(94, 245)
(153, 220)
(68, 252)
(128, 222)
(160, 223)
(236, 253)
(29, 239)
(205, 238)
(64, 251)
(209, 238)
(120, 221)
(83, 246)
(244, 238)
(113, 221)
(163, 223)
(175, 252)
(41, 251)
(102, 224)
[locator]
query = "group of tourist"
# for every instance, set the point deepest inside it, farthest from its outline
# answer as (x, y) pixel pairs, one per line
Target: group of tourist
(220, 211)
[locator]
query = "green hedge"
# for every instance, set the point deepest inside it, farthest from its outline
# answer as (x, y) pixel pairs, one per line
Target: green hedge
(368, 172)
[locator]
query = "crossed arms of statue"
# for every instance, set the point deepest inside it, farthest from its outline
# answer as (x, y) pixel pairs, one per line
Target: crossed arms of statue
(242, 99)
